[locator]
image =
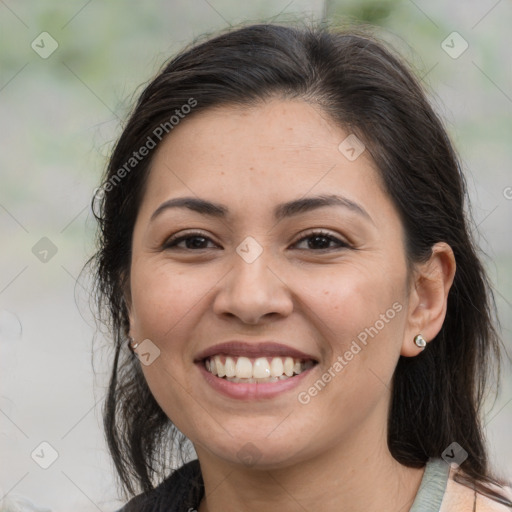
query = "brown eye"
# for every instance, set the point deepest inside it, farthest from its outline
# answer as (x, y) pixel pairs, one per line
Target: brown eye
(189, 241)
(320, 240)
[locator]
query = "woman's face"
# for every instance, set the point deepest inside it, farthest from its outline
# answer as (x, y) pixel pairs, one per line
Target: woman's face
(301, 257)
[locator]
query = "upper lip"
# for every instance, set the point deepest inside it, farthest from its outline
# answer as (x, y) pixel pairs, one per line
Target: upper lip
(253, 349)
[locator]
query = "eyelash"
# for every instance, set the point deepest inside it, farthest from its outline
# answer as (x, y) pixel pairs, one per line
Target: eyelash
(174, 241)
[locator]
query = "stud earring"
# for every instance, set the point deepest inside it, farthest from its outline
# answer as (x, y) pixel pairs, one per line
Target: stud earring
(131, 344)
(420, 341)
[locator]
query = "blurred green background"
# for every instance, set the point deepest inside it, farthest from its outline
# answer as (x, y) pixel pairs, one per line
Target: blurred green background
(59, 115)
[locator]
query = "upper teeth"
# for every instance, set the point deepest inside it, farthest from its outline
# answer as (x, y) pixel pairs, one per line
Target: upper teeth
(259, 368)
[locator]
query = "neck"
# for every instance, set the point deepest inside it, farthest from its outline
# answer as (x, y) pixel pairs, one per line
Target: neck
(358, 475)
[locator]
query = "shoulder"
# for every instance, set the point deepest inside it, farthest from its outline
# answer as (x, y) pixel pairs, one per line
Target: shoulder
(463, 498)
(181, 491)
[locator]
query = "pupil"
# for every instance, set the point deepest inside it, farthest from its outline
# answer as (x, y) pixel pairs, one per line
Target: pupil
(324, 242)
(195, 242)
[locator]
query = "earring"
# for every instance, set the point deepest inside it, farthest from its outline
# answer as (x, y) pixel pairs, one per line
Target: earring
(420, 341)
(131, 344)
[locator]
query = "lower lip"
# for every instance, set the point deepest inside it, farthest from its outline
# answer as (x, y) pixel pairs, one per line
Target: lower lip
(252, 391)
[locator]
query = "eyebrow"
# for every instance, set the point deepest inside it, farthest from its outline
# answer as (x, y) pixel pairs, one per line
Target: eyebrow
(281, 211)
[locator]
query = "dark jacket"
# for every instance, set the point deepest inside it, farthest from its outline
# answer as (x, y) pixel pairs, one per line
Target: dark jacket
(180, 492)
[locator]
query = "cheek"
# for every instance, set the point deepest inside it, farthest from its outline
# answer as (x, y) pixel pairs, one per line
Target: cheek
(361, 318)
(361, 321)
(162, 298)
(166, 303)
(349, 301)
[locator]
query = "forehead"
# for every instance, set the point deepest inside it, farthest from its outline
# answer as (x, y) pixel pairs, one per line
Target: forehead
(247, 156)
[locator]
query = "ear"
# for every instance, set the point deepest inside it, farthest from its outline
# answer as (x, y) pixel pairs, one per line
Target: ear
(428, 296)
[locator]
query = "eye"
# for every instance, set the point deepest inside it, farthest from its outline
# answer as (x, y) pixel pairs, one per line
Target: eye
(194, 240)
(316, 240)
(321, 240)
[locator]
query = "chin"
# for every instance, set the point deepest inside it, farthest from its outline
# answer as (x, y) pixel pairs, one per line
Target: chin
(256, 451)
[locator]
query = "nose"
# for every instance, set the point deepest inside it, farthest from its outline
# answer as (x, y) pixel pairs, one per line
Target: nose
(252, 292)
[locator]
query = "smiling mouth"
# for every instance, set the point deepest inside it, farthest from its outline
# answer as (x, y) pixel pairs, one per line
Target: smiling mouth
(248, 370)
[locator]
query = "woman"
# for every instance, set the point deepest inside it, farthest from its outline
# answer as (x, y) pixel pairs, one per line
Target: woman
(284, 248)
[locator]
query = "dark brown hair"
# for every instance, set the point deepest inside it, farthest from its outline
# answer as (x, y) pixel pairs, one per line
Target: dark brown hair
(438, 395)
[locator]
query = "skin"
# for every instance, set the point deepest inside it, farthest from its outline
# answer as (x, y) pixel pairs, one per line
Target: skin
(331, 453)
